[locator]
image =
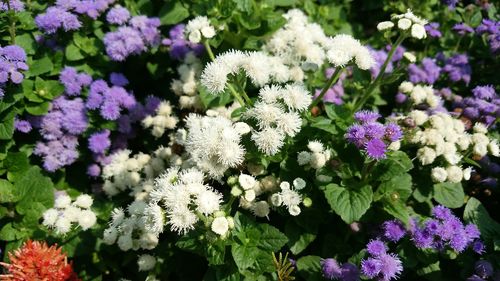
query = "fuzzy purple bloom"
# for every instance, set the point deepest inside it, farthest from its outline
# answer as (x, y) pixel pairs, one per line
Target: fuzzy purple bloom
(12, 62)
(462, 28)
(394, 230)
(15, 5)
(366, 116)
(371, 267)
(376, 248)
(57, 18)
(73, 81)
(393, 132)
(391, 267)
(118, 79)
(458, 69)
(22, 126)
(118, 15)
(483, 268)
(99, 142)
(427, 73)
(376, 149)
(432, 29)
(179, 46)
(331, 269)
(93, 170)
(123, 42)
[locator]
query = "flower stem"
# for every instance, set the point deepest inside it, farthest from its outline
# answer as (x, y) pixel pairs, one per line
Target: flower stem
(236, 95)
(331, 81)
(209, 50)
(12, 27)
(376, 82)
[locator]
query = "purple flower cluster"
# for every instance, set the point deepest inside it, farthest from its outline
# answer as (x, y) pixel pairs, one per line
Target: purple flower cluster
(372, 136)
(483, 270)
(73, 81)
(381, 55)
(450, 3)
(91, 8)
(335, 93)
(15, 5)
(427, 73)
(492, 30)
(483, 106)
(332, 270)
(381, 264)
(99, 142)
(462, 28)
(432, 30)
(132, 39)
(118, 15)
(60, 129)
(457, 67)
(12, 62)
(179, 46)
(22, 126)
(445, 229)
(109, 100)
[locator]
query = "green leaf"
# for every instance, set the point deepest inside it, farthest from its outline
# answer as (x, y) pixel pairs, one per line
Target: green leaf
(398, 187)
(395, 164)
(431, 272)
(37, 109)
(349, 203)
(6, 189)
(172, 13)
(282, 3)
(271, 238)
(16, 163)
(73, 53)
(476, 213)
(309, 268)
(8, 233)
(40, 66)
(397, 209)
(48, 89)
(244, 255)
(298, 237)
(27, 42)
(449, 194)
(33, 187)
(7, 126)
(324, 124)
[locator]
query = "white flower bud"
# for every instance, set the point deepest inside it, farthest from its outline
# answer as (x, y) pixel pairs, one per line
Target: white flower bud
(439, 174)
(404, 24)
(385, 25)
(455, 174)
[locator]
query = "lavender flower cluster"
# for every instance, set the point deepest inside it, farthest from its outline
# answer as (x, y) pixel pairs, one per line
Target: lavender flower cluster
(483, 106)
(12, 62)
(381, 55)
(372, 136)
(335, 93)
(443, 229)
(489, 28)
(179, 46)
(456, 67)
(133, 36)
(14, 5)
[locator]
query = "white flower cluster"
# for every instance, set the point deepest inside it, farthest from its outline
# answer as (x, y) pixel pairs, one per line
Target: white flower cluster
(162, 120)
(182, 197)
(146, 262)
(260, 67)
(277, 115)
(300, 43)
(419, 94)
(130, 232)
(136, 173)
(316, 157)
(406, 21)
(249, 189)
(199, 28)
(289, 197)
(442, 137)
(186, 86)
(66, 212)
(214, 143)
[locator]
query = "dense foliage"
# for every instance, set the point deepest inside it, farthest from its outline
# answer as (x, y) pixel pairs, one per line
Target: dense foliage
(249, 140)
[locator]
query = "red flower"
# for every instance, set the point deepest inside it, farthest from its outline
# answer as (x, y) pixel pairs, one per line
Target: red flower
(35, 260)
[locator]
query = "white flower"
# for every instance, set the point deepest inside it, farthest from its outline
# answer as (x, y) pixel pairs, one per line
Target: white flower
(405, 87)
(385, 25)
(84, 201)
(480, 149)
(220, 226)
(242, 128)
(49, 217)
(269, 140)
(214, 77)
(208, 32)
(404, 24)
(439, 174)
(493, 148)
(303, 158)
(182, 220)
(261, 209)
(418, 31)
(87, 219)
(270, 93)
(455, 174)
(154, 218)
(467, 173)
(299, 183)
(208, 202)
(62, 201)
(125, 242)
(72, 213)
(197, 27)
(419, 116)
(246, 181)
(294, 210)
(146, 262)
(62, 225)
(195, 36)
(289, 123)
(394, 146)
(250, 195)
(296, 97)
(410, 57)
(276, 199)
(426, 155)
(315, 146)
(318, 160)
(480, 128)
(109, 235)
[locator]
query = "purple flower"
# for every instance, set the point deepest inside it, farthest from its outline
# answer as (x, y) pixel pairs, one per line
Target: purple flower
(462, 28)
(15, 5)
(99, 142)
(22, 126)
(179, 46)
(356, 134)
(394, 230)
(118, 15)
(56, 18)
(376, 248)
(366, 116)
(350, 272)
(118, 79)
(376, 149)
(12, 62)
(391, 266)
(371, 267)
(483, 268)
(401, 98)
(123, 42)
(484, 92)
(381, 55)
(441, 212)
(428, 73)
(57, 153)
(478, 247)
(457, 67)
(393, 132)
(450, 3)
(331, 269)
(148, 28)
(93, 170)
(432, 29)
(74, 81)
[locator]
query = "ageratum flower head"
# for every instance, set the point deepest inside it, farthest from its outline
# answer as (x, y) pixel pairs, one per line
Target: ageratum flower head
(12, 62)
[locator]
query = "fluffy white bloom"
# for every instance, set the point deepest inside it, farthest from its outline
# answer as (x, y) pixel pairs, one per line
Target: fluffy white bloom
(289, 123)
(214, 77)
(426, 155)
(87, 219)
(161, 121)
(480, 128)
(404, 24)
(343, 48)
(304, 157)
(260, 209)
(480, 149)
(467, 173)
(110, 235)
(146, 262)
(246, 181)
(299, 183)
(84, 201)
(182, 220)
(220, 226)
(250, 195)
(439, 174)
(154, 218)
(125, 242)
(493, 148)
(410, 57)
(50, 217)
(455, 174)
(62, 225)
(318, 160)
(315, 146)
(405, 87)
(419, 116)
(62, 201)
(296, 97)
(197, 27)
(418, 31)
(269, 140)
(276, 199)
(385, 25)
(208, 201)
(294, 210)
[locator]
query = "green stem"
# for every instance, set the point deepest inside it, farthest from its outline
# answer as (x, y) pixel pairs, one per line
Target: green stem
(229, 204)
(209, 50)
(367, 170)
(235, 94)
(375, 82)
(331, 81)
(12, 27)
